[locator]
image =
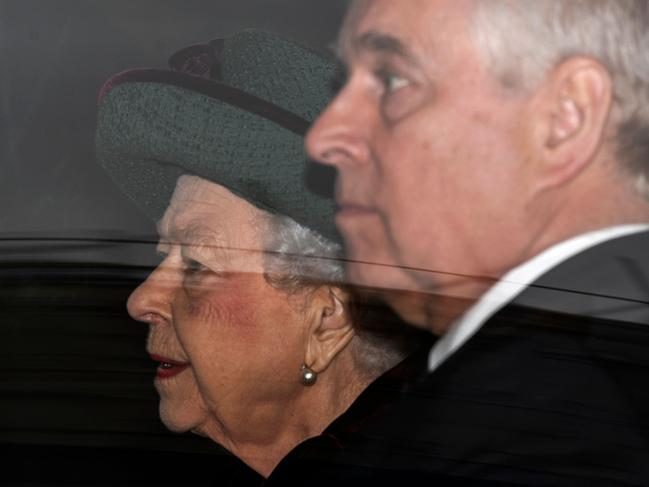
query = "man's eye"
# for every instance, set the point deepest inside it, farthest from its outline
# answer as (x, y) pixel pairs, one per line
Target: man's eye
(391, 81)
(396, 83)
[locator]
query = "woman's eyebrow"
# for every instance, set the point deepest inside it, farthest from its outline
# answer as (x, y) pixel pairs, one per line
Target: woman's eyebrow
(195, 233)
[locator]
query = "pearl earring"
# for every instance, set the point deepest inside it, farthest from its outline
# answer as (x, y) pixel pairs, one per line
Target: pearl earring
(308, 376)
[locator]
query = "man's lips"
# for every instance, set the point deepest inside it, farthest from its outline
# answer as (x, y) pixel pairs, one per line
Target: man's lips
(348, 210)
(168, 367)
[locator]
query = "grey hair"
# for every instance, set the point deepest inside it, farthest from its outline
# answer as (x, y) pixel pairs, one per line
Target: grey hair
(298, 258)
(521, 40)
(296, 255)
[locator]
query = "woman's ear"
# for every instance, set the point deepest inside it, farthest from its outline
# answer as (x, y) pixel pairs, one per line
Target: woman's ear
(331, 327)
(571, 117)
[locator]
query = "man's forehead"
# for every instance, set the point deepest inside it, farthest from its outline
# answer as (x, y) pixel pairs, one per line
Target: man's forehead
(395, 27)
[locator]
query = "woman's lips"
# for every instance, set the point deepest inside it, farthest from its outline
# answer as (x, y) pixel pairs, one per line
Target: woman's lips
(168, 367)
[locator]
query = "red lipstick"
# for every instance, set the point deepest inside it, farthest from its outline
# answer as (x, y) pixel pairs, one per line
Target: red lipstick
(168, 367)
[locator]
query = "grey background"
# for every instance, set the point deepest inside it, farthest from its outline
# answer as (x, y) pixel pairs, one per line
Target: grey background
(54, 57)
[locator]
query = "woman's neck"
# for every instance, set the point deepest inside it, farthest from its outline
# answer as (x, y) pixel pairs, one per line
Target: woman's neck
(263, 439)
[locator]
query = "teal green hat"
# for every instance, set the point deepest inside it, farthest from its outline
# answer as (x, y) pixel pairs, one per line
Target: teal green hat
(233, 111)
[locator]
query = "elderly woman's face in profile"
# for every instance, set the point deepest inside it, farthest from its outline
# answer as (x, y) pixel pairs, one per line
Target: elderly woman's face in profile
(230, 344)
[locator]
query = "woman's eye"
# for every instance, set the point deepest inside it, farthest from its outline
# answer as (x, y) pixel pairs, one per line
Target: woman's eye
(193, 266)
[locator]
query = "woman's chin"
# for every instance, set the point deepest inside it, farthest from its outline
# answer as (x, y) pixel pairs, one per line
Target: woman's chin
(176, 420)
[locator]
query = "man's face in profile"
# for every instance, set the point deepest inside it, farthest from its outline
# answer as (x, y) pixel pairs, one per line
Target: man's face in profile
(429, 147)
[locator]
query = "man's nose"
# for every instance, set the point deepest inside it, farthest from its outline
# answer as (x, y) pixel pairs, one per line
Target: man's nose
(340, 135)
(150, 302)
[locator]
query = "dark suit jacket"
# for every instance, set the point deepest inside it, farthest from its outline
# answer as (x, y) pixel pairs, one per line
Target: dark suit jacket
(552, 390)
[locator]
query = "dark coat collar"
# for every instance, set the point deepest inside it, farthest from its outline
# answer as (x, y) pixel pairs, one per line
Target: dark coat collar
(609, 281)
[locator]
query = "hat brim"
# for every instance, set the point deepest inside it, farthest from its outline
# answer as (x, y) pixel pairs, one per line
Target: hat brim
(154, 126)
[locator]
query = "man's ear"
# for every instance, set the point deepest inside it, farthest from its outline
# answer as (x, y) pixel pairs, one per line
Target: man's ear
(571, 115)
(330, 329)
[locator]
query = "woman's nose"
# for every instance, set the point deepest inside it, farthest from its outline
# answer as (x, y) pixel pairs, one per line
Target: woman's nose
(340, 135)
(151, 301)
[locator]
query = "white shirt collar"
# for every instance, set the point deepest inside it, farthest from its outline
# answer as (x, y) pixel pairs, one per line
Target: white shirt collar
(513, 283)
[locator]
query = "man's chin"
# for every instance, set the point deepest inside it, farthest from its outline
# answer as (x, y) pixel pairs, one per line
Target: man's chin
(412, 307)
(360, 274)
(419, 307)
(379, 275)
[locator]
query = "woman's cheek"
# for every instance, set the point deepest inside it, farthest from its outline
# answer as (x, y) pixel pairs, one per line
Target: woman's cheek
(223, 308)
(197, 309)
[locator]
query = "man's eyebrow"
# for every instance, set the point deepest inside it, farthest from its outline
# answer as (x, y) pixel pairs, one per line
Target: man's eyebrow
(381, 43)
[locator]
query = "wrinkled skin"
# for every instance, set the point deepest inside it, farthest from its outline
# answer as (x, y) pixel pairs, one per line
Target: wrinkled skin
(242, 341)
(209, 305)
